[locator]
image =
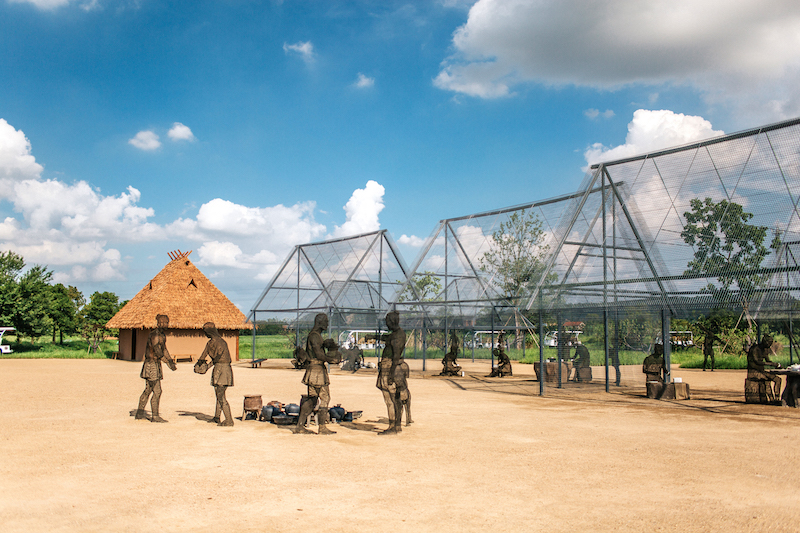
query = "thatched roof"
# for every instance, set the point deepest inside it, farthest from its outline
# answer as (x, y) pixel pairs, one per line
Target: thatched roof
(185, 295)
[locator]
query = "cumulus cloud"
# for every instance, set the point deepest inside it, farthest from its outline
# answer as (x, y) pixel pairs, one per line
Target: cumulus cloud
(411, 240)
(16, 162)
(362, 211)
(364, 82)
(744, 53)
(594, 114)
(654, 130)
(243, 237)
(180, 132)
(304, 49)
(145, 140)
(65, 224)
(43, 4)
(79, 231)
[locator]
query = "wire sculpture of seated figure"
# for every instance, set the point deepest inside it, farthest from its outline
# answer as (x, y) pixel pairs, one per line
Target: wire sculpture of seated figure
(449, 365)
(503, 367)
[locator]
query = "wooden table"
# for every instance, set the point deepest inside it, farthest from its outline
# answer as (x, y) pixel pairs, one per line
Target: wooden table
(791, 390)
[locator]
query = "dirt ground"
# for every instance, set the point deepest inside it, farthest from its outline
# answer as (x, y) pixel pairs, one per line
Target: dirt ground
(483, 454)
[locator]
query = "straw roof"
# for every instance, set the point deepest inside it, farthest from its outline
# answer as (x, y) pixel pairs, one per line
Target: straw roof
(185, 295)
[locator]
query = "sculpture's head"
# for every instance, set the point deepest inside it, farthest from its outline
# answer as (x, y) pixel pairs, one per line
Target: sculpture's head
(321, 321)
(766, 340)
(210, 329)
(658, 349)
(162, 321)
(392, 320)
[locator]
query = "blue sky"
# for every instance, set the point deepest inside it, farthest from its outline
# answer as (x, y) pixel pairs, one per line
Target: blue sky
(239, 128)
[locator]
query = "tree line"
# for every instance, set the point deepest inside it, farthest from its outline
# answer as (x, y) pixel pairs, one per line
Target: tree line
(35, 306)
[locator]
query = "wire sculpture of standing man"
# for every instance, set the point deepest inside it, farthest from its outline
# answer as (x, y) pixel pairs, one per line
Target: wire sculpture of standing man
(391, 377)
(316, 377)
(154, 352)
(222, 376)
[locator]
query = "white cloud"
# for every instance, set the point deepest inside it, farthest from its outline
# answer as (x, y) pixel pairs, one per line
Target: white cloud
(16, 162)
(78, 231)
(65, 224)
(364, 82)
(179, 132)
(654, 130)
(412, 240)
(593, 114)
(219, 253)
(362, 211)
(145, 140)
(304, 49)
(744, 54)
(43, 4)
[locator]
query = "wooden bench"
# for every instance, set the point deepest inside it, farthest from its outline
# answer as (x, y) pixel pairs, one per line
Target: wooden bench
(183, 358)
(256, 362)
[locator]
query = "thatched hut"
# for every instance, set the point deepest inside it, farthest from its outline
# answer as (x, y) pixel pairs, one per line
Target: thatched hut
(189, 299)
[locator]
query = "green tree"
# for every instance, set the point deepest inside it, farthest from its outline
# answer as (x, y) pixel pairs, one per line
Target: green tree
(516, 259)
(727, 247)
(64, 313)
(424, 287)
(33, 303)
(101, 308)
(11, 265)
(516, 256)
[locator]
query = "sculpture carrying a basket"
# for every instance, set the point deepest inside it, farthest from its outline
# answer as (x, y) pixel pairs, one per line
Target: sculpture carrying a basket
(201, 366)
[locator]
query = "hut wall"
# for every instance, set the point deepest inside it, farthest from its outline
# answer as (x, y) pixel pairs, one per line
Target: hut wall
(185, 342)
(180, 343)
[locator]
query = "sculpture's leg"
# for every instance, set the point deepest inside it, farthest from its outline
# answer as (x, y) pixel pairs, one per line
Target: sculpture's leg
(398, 412)
(306, 406)
(407, 403)
(322, 416)
(143, 400)
(218, 408)
(388, 397)
(155, 401)
(222, 403)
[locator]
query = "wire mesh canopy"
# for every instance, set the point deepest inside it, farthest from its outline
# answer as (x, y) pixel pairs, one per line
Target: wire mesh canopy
(711, 224)
(355, 278)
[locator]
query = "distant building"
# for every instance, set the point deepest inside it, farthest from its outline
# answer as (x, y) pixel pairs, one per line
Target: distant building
(189, 299)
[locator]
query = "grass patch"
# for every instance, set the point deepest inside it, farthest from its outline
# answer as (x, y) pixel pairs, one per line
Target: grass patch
(71, 349)
(267, 347)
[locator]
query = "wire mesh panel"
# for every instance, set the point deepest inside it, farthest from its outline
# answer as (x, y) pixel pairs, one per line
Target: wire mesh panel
(674, 236)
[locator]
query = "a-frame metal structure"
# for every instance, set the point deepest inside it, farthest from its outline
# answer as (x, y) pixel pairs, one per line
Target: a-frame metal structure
(353, 280)
(617, 244)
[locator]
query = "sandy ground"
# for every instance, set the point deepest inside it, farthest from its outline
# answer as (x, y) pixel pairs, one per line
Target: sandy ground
(483, 454)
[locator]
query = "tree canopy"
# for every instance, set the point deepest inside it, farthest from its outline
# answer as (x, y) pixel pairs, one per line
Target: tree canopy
(517, 254)
(726, 246)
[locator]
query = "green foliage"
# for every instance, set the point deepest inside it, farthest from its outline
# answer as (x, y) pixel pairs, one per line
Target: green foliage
(11, 265)
(424, 287)
(517, 254)
(101, 308)
(64, 312)
(267, 327)
(32, 303)
(726, 246)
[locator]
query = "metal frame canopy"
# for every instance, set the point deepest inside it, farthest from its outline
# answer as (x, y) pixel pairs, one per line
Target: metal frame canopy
(618, 239)
(353, 280)
(624, 241)
(619, 243)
